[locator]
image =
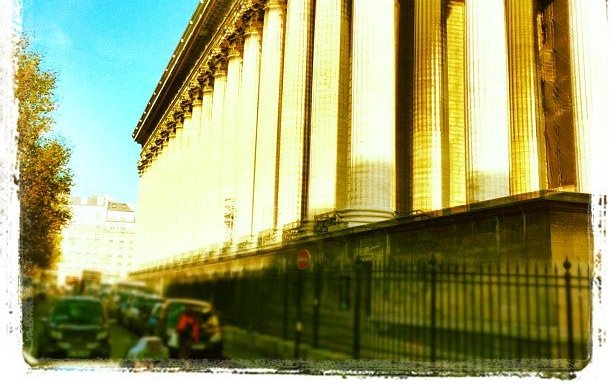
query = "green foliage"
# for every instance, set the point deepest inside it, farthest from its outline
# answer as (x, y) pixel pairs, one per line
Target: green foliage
(45, 177)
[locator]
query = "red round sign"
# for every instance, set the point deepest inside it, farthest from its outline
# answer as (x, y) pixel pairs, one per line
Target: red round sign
(303, 259)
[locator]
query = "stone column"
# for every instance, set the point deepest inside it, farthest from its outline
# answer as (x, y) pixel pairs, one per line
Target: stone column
(588, 57)
(455, 87)
(146, 209)
(196, 219)
(166, 182)
(183, 169)
(216, 203)
(141, 235)
(156, 196)
(165, 188)
(150, 191)
(175, 193)
(327, 174)
(488, 168)
(230, 121)
(527, 146)
(295, 111)
(247, 130)
(428, 107)
(206, 167)
(266, 153)
(371, 193)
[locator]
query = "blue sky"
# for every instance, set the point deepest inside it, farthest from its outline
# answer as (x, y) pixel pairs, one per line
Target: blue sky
(109, 55)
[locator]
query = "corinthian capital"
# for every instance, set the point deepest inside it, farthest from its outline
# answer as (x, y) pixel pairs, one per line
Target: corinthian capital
(206, 81)
(235, 46)
(186, 105)
(219, 67)
(276, 4)
(195, 92)
(218, 62)
(178, 114)
(253, 23)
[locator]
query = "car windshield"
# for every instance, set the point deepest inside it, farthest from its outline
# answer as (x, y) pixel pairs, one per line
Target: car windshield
(79, 312)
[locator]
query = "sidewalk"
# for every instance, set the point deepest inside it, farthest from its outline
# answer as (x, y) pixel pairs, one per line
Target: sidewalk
(242, 344)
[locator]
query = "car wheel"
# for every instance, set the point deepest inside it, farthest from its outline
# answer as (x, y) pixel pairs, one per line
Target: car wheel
(173, 353)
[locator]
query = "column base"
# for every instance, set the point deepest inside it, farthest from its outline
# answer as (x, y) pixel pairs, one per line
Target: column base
(357, 217)
(269, 237)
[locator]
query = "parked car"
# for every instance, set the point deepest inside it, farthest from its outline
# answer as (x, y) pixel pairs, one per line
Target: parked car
(153, 319)
(120, 292)
(210, 343)
(138, 310)
(76, 328)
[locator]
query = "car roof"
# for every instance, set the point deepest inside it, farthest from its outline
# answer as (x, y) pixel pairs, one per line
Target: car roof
(79, 298)
(193, 302)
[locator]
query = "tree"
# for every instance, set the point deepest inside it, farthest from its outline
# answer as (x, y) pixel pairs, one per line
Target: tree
(45, 179)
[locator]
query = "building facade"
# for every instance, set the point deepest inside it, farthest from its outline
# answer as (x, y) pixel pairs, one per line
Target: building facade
(273, 116)
(456, 136)
(100, 237)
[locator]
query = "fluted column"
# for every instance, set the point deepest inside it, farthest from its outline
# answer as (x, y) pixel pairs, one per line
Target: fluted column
(150, 206)
(588, 33)
(206, 171)
(488, 170)
(141, 213)
(371, 194)
(167, 181)
(196, 219)
(156, 191)
(427, 104)
(330, 107)
(146, 209)
(183, 169)
(295, 111)
(176, 195)
(527, 145)
(216, 203)
(230, 121)
(166, 184)
(266, 153)
(247, 129)
(455, 86)
(161, 183)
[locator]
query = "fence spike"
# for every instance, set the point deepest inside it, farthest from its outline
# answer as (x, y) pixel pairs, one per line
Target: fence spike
(567, 264)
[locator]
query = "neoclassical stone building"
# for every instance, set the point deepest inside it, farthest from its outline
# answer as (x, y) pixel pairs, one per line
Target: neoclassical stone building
(280, 122)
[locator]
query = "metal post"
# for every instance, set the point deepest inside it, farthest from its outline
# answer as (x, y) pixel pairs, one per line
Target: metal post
(357, 312)
(433, 310)
(570, 324)
(316, 306)
(286, 305)
(298, 321)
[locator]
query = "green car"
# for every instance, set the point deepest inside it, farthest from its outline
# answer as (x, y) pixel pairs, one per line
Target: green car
(76, 328)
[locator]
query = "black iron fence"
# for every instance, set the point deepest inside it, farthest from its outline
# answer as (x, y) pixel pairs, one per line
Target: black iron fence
(425, 311)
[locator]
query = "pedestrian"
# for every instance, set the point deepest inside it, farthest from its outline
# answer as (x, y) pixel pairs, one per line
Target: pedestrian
(188, 331)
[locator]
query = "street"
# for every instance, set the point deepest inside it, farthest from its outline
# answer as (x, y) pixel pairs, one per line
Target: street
(121, 340)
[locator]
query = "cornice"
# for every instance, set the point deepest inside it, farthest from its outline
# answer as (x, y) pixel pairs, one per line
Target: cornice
(216, 30)
(201, 32)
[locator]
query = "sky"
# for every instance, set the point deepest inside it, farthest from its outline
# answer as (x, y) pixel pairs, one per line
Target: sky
(109, 56)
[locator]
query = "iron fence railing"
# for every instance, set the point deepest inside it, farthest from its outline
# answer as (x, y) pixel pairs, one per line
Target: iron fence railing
(426, 310)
